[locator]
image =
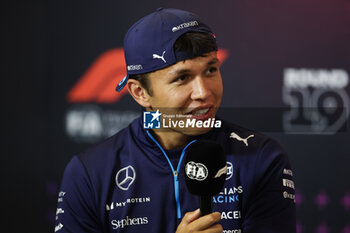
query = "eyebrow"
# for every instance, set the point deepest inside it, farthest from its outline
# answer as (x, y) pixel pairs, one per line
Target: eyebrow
(183, 71)
(213, 61)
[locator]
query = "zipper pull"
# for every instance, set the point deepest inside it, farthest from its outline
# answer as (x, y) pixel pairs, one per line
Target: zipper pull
(175, 174)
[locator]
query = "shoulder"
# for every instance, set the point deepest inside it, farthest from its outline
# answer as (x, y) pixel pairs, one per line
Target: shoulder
(244, 139)
(104, 150)
(251, 149)
(110, 149)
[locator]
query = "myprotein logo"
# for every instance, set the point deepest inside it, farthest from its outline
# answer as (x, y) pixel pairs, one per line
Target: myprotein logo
(128, 201)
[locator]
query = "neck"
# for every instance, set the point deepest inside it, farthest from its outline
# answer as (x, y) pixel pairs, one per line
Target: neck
(170, 139)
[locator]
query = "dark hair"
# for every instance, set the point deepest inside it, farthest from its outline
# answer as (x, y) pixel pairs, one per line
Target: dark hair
(194, 43)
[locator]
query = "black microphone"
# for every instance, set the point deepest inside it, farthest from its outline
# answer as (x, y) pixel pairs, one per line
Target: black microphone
(205, 169)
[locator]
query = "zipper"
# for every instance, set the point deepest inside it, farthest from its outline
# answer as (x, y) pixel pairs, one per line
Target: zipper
(175, 172)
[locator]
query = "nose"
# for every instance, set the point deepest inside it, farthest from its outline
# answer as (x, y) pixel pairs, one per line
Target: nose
(200, 89)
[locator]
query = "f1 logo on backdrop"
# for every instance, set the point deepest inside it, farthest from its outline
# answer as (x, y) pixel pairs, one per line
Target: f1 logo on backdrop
(318, 100)
(101, 78)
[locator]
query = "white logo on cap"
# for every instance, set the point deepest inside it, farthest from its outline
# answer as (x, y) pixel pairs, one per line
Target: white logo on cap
(134, 67)
(159, 57)
(196, 171)
(185, 25)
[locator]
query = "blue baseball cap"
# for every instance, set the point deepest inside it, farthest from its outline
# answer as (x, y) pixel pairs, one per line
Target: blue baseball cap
(148, 44)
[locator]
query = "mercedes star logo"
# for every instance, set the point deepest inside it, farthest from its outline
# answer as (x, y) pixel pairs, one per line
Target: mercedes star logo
(125, 177)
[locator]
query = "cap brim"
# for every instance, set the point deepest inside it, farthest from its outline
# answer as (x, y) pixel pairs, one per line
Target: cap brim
(122, 83)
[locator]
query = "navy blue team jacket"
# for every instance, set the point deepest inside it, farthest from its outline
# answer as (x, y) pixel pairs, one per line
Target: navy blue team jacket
(128, 183)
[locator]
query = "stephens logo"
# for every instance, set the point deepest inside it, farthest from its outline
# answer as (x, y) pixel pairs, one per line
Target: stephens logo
(116, 224)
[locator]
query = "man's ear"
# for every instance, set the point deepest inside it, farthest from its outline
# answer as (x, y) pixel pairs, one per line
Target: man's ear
(139, 93)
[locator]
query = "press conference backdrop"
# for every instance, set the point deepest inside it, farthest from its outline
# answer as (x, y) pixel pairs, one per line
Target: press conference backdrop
(285, 69)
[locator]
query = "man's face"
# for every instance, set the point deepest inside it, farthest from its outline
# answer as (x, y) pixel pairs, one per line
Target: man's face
(192, 87)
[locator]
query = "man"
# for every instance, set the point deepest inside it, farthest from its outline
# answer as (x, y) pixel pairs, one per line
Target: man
(134, 181)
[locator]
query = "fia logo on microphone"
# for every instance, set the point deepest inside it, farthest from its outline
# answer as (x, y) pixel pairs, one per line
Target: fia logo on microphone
(151, 120)
(196, 171)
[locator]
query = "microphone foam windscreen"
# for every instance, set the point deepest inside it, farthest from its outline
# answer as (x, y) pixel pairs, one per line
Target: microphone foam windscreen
(205, 168)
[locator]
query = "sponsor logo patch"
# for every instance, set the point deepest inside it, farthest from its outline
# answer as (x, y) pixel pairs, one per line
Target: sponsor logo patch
(288, 183)
(125, 177)
(58, 227)
(116, 204)
(185, 25)
(288, 172)
(196, 171)
(228, 195)
(237, 137)
(231, 215)
(229, 173)
(116, 224)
